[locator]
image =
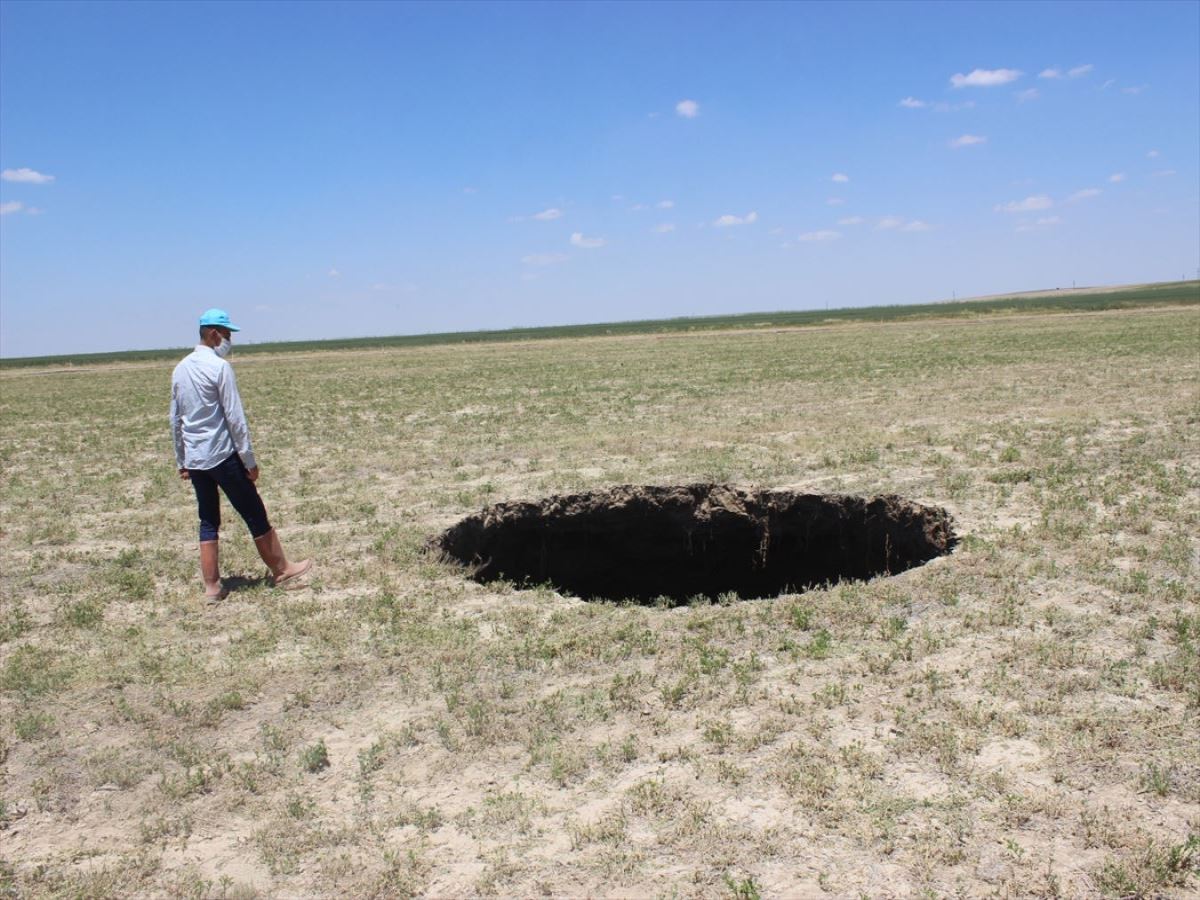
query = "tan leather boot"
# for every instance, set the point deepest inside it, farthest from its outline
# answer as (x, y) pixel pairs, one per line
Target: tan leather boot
(210, 570)
(283, 573)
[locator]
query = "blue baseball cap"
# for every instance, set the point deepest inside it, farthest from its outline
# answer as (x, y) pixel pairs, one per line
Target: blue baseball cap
(217, 317)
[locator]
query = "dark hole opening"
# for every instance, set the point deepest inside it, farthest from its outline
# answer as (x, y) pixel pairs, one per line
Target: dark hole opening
(643, 543)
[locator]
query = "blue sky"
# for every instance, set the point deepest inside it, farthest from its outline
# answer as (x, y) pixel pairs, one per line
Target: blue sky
(329, 170)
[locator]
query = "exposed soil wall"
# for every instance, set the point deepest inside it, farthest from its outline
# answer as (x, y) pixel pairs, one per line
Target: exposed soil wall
(643, 543)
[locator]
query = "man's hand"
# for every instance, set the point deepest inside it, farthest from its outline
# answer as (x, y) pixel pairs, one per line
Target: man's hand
(184, 474)
(253, 473)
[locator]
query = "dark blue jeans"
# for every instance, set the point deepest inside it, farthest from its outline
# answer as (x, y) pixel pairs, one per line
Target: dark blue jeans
(231, 477)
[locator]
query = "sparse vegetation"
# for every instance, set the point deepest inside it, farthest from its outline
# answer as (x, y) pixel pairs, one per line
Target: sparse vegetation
(1016, 719)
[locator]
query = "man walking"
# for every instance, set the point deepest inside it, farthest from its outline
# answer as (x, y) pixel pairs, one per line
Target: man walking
(212, 449)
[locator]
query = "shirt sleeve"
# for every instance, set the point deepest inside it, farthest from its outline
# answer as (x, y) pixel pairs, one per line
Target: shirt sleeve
(176, 428)
(235, 416)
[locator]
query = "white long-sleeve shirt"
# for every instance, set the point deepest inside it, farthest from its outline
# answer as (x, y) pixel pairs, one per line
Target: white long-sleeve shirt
(207, 420)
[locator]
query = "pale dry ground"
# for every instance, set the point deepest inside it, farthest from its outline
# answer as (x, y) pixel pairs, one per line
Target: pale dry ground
(1017, 719)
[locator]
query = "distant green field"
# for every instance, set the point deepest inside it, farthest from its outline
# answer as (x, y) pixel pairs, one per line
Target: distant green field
(1175, 293)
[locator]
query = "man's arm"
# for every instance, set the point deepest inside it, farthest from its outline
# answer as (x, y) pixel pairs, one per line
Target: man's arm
(235, 416)
(177, 433)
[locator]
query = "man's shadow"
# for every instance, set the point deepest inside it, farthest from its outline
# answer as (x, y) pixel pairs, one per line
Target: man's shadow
(235, 583)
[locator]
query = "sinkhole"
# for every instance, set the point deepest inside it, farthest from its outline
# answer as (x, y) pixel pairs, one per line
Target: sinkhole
(683, 541)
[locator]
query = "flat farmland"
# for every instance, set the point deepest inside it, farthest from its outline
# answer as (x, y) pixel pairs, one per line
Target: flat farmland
(1018, 718)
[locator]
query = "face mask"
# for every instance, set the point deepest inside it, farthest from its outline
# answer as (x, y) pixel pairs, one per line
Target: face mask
(222, 349)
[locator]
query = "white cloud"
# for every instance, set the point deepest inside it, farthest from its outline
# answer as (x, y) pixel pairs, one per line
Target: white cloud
(1029, 204)
(1108, 84)
(664, 227)
(851, 220)
(913, 103)
(688, 109)
(1080, 71)
(1134, 90)
(1116, 177)
(944, 107)
(749, 219)
(665, 204)
(548, 215)
(985, 78)
(967, 140)
(1040, 224)
(638, 207)
(1050, 73)
(889, 222)
(544, 259)
(26, 176)
(840, 177)
(835, 201)
(1084, 194)
(916, 225)
(587, 243)
(1164, 173)
(470, 190)
(11, 206)
(333, 273)
(1026, 95)
(1152, 154)
(819, 236)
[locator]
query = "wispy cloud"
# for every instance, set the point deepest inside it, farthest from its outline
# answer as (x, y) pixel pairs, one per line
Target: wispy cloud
(985, 78)
(665, 204)
(1029, 204)
(1134, 90)
(748, 219)
(1028, 94)
(470, 190)
(26, 176)
(1084, 194)
(1039, 224)
(544, 259)
(664, 227)
(825, 235)
(548, 215)
(1080, 71)
(840, 177)
(967, 140)
(587, 243)
(835, 201)
(688, 109)
(851, 220)
(1050, 73)
(333, 273)
(1152, 154)
(913, 103)
(1116, 177)
(1164, 173)
(898, 223)
(12, 206)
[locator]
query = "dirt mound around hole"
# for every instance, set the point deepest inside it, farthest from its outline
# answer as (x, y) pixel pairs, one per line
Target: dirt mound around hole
(643, 543)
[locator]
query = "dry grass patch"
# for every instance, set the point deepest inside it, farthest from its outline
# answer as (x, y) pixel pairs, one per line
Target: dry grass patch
(1018, 718)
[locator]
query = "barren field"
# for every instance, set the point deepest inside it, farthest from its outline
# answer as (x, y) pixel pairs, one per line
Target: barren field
(1017, 718)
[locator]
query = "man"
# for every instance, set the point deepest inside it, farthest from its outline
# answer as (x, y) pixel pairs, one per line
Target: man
(212, 449)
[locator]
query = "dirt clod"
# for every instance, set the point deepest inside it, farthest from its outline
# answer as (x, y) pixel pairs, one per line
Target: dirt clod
(643, 543)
